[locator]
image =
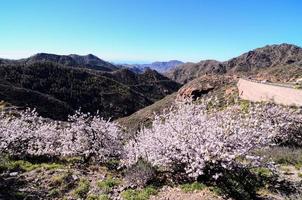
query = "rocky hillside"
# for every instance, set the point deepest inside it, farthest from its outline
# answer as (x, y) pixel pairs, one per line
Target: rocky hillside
(220, 86)
(57, 90)
(276, 63)
(257, 59)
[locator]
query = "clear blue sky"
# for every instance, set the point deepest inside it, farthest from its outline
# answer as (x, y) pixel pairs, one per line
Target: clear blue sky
(147, 30)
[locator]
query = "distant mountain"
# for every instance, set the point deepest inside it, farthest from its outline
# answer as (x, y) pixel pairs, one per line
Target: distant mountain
(88, 61)
(265, 57)
(58, 85)
(158, 66)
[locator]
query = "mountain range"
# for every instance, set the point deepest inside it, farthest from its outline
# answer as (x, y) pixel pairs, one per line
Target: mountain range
(58, 85)
(257, 59)
(88, 61)
(211, 78)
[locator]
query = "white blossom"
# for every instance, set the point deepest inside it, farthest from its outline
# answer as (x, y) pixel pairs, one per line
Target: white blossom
(83, 135)
(191, 136)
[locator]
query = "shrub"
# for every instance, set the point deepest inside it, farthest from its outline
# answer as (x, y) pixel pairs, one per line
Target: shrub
(62, 179)
(283, 155)
(244, 105)
(54, 192)
(87, 136)
(107, 184)
(92, 197)
(142, 194)
(82, 189)
(192, 138)
(140, 174)
(191, 187)
(8, 164)
(103, 197)
(263, 172)
(112, 164)
(100, 197)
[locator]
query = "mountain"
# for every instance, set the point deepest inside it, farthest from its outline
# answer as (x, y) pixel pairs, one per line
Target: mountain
(88, 61)
(158, 66)
(189, 71)
(214, 79)
(257, 59)
(150, 83)
(57, 88)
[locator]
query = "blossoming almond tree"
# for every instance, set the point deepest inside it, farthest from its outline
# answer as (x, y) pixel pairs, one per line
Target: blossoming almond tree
(83, 135)
(192, 137)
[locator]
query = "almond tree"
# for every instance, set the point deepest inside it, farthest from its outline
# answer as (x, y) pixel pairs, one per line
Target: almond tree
(27, 134)
(196, 138)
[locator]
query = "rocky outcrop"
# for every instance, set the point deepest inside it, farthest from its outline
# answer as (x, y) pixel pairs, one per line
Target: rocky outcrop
(203, 85)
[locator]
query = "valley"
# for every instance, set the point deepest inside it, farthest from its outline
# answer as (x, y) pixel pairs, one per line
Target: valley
(101, 131)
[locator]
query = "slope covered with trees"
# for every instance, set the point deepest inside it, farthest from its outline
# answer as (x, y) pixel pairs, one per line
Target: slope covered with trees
(41, 84)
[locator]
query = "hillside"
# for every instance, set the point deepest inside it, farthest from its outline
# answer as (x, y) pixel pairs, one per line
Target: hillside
(220, 86)
(144, 116)
(150, 83)
(65, 89)
(210, 78)
(270, 56)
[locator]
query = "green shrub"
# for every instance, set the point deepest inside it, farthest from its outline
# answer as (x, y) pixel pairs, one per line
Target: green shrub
(7, 164)
(54, 192)
(20, 195)
(96, 197)
(190, 187)
(82, 189)
(263, 172)
(59, 180)
(103, 197)
(216, 190)
(244, 105)
(107, 184)
(142, 194)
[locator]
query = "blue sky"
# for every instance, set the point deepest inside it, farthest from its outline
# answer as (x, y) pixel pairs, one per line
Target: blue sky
(147, 30)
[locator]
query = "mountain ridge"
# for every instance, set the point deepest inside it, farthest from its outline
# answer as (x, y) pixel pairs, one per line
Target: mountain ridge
(88, 61)
(259, 58)
(113, 93)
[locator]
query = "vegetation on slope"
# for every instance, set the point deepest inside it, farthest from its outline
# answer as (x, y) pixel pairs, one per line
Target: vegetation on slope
(267, 57)
(38, 84)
